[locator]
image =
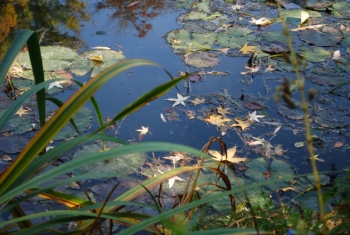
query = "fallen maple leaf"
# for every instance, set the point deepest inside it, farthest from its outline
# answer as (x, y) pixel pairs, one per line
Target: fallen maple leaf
(253, 116)
(180, 99)
(21, 111)
(175, 158)
(171, 181)
(246, 49)
(223, 111)
(269, 69)
(230, 156)
(197, 101)
(243, 123)
(224, 50)
(143, 131)
(217, 120)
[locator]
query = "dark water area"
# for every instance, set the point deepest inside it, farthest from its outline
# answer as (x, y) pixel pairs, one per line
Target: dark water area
(138, 31)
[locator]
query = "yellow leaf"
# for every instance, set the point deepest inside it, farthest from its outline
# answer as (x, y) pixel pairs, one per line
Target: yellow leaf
(21, 111)
(246, 49)
(98, 58)
(223, 111)
(243, 123)
(304, 17)
(143, 131)
(217, 120)
(230, 156)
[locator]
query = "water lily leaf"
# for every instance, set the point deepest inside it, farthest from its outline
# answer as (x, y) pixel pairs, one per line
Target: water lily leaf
(343, 8)
(83, 121)
(314, 54)
(179, 40)
(325, 77)
(326, 36)
(318, 5)
(278, 36)
(54, 58)
(274, 47)
(294, 114)
(333, 117)
(83, 64)
(278, 170)
(234, 37)
(195, 15)
(13, 144)
(295, 15)
(20, 125)
(125, 165)
(344, 64)
(199, 26)
(202, 59)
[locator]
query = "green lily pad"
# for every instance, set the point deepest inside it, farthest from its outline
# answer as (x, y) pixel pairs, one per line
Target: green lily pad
(193, 4)
(281, 173)
(22, 84)
(182, 40)
(20, 125)
(13, 144)
(326, 36)
(294, 15)
(54, 58)
(344, 64)
(348, 50)
(234, 37)
(343, 8)
(325, 77)
(314, 54)
(202, 59)
(82, 64)
(273, 36)
(125, 165)
(333, 117)
(274, 47)
(284, 65)
(195, 15)
(318, 5)
(83, 121)
(199, 26)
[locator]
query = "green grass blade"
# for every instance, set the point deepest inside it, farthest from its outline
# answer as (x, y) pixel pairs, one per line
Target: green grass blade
(94, 158)
(20, 100)
(38, 71)
(60, 118)
(96, 107)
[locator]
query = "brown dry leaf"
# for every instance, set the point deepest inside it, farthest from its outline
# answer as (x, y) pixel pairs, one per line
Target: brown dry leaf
(246, 49)
(223, 111)
(338, 144)
(279, 151)
(197, 101)
(230, 156)
(6, 158)
(224, 50)
(217, 120)
(243, 123)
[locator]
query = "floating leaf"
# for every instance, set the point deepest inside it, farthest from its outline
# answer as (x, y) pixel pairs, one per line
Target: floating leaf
(13, 144)
(202, 59)
(199, 26)
(243, 123)
(335, 117)
(296, 15)
(246, 49)
(273, 36)
(217, 120)
(230, 156)
(343, 8)
(234, 37)
(314, 54)
(195, 15)
(299, 144)
(304, 16)
(126, 164)
(326, 36)
(54, 58)
(325, 77)
(82, 64)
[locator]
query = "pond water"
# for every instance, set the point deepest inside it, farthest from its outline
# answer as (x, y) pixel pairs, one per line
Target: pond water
(139, 29)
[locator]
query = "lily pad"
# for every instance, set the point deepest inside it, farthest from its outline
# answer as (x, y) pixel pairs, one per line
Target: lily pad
(344, 64)
(199, 26)
(325, 77)
(190, 5)
(333, 117)
(318, 5)
(54, 58)
(195, 15)
(294, 15)
(314, 54)
(274, 47)
(202, 59)
(82, 64)
(234, 37)
(83, 121)
(326, 36)
(12, 144)
(125, 165)
(280, 173)
(343, 8)
(273, 36)
(20, 125)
